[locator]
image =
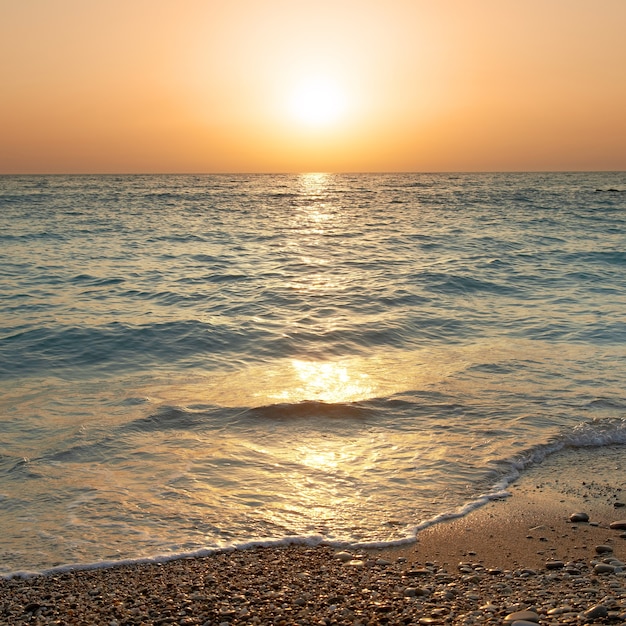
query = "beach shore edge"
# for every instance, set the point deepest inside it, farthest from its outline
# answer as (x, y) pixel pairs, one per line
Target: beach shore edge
(521, 554)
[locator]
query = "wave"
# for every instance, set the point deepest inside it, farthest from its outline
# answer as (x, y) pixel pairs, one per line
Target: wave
(97, 281)
(116, 346)
(179, 418)
(310, 409)
(453, 283)
(231, 336)
(34, 236)
(598, 257)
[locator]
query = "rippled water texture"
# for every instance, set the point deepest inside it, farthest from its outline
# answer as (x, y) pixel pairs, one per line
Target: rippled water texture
(197, 361)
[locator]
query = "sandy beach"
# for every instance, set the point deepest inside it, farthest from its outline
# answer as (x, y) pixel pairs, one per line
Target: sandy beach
(520, 560)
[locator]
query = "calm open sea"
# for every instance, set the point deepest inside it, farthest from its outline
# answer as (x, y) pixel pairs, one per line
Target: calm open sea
(191, 362)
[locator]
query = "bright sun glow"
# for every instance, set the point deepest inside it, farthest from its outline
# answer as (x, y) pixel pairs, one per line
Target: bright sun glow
(317, 102)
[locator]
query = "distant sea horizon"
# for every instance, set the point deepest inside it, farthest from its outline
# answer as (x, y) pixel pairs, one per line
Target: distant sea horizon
(303, 172)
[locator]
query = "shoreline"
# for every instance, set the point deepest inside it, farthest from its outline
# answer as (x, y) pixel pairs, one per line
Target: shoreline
(518, 554)
(532, 524)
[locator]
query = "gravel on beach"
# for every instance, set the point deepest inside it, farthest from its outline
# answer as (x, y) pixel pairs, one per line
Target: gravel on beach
(300, 585)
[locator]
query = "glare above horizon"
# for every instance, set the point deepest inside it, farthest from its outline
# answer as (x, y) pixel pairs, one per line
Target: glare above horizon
(278, 86)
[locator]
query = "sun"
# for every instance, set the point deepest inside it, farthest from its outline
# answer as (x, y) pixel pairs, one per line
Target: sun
(317, 101)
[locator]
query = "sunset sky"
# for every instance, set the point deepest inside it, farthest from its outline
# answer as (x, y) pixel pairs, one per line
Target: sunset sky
(296, 85)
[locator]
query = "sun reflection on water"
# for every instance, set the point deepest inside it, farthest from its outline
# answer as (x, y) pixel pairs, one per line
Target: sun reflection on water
(328, 382)
(314, 182)
(316, 207)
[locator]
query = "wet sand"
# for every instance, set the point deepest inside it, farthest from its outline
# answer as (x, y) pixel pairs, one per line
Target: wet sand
(518, 554)
(532, 525)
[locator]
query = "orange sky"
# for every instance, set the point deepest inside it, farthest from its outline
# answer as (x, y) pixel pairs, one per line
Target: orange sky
(407, 85)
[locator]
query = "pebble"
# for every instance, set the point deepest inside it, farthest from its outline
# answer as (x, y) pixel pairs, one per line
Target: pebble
(420, 571)
(618, 525)
(560, 610)
(555, 564)
(522, 616)
(603, 549)
(579, 517)
(596, 612)
(604, 568)
(528, 572)
(417, 591)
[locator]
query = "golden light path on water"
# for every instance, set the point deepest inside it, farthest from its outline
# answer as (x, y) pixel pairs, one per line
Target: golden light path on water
(330, 382)
(316, 457)
(343, 380)
(316, 461)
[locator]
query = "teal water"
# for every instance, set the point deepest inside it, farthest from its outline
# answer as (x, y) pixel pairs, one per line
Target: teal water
(192, 362)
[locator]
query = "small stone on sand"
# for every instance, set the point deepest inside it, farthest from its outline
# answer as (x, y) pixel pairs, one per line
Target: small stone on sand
(618, 525)
(596, 612)
(603, 549)
(604, 568)
(522, 616)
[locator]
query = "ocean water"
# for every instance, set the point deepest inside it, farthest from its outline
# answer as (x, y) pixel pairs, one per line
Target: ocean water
(189, 363)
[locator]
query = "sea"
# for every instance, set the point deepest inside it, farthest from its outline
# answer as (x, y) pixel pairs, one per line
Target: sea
(195, 363)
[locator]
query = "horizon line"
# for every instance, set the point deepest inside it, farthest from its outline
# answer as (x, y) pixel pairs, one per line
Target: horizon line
(303, 172)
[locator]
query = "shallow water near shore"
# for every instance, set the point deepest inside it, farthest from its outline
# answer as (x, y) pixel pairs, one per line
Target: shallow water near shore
(192, 362)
